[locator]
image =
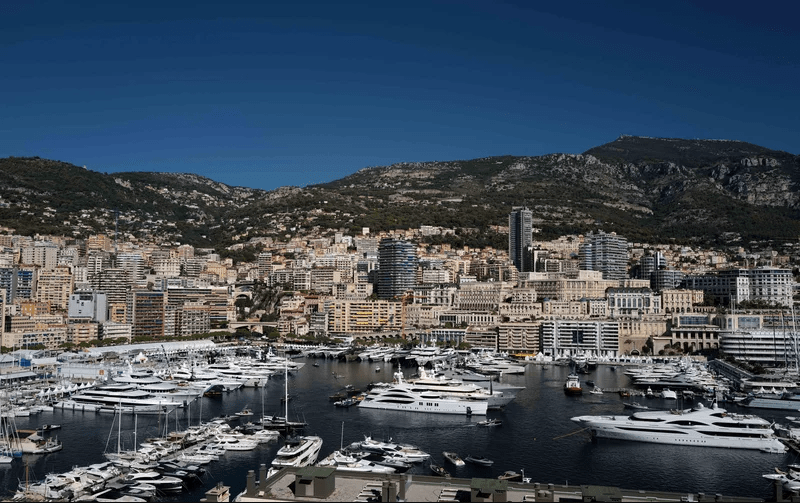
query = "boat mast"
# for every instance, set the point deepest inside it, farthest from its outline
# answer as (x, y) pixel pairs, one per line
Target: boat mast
(119, 427)
(286, 393)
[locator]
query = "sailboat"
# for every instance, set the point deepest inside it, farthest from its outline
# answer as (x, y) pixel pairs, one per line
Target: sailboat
(282, 423)
(6, 453)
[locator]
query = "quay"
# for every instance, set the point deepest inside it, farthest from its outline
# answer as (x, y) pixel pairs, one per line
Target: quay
(328, 484)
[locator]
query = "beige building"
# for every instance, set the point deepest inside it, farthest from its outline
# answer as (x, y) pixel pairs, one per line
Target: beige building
(519, 337)
(681, 301)
(559, 286)
(82, 332)
(481, 296)
(54, 287)
(354, 317)
(633, 333)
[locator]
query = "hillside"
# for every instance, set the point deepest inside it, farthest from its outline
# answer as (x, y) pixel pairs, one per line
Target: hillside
(648, 189)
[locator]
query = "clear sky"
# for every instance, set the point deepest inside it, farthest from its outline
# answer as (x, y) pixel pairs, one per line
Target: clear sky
(265, 94)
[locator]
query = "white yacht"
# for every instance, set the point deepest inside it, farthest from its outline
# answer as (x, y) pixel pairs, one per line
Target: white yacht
(298, 451)
(406, 396)
(455, 388)
(349, 463)
(700, 426)
(118, 397)
(172, 390)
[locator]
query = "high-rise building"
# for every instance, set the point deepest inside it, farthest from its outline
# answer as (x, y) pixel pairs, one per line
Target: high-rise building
(397, 267)
(54, 286)
(42, 253)
(520, 238)
(147, 309)
(607, 253)
(133, 264)
(19, 282)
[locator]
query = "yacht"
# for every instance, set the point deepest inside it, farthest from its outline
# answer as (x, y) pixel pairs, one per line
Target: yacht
(298, 451)
(172, 390)
(119, 397)
(405, 396)
(701, 426)
(572, 386)
(349, 463)
(454, 388)
(784, 401)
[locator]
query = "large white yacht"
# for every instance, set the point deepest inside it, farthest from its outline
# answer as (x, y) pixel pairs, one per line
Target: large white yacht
(701, 426)
(298, 451)
(172, 390)
(406, 396)
(118, 397)
(455, 388)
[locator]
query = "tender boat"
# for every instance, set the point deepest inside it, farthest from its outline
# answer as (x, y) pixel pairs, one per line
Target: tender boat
(596, 391)
(453, 458)
(572, 386)
(439, 470)
(48, 427)
(700, 426)
(635, 405)
(478, 460)
(490, 422)
(668, 394)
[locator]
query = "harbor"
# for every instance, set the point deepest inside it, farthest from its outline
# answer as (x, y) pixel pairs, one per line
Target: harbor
(533, 437)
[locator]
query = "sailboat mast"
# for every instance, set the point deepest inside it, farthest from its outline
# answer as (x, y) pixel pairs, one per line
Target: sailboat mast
(119, 427)
(286, 393)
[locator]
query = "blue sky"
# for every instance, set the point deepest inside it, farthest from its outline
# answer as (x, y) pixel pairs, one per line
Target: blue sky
(264, 94)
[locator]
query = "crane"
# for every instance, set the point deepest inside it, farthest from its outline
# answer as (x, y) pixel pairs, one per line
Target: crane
(409, 295)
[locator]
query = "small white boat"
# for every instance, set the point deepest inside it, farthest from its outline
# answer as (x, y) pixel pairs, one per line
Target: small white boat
(668, 394)
(478, 460)
(596, 391)
(490, 422)
(453, 458)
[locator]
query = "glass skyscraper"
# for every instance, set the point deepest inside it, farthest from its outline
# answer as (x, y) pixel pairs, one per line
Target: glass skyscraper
(520, 238)
(397, 267)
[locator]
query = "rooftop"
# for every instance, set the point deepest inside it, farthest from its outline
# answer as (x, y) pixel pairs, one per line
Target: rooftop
(313, 484)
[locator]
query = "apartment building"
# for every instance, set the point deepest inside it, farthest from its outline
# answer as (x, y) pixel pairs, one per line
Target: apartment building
(570, 337)
(359, 317)
(54, 287)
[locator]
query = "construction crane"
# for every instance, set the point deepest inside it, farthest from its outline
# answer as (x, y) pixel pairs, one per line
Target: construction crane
(409, 295)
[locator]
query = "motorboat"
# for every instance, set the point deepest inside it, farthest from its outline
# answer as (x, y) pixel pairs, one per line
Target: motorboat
(490, 422)
(402, 452)
(572, 386)
(439, 470)
(347, 462)
(478, 460)
(669, 394)
(635, 405)
(700, 426)
(453, 458)
(48, 427)
(596, 391)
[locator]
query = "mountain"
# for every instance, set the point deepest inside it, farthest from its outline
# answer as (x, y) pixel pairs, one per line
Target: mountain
(647, 189)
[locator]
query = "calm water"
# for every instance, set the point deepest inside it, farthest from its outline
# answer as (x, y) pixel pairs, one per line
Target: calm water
(536, 436)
